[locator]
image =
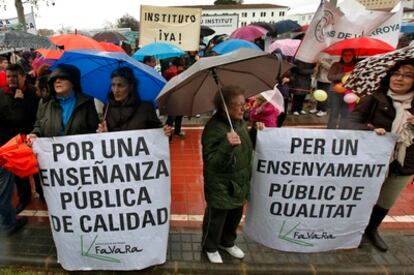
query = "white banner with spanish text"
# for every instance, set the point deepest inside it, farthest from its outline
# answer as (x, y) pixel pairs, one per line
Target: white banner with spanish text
(331, 24)
(178, 26)
(13, 23)
(313, 190)
(108, 198)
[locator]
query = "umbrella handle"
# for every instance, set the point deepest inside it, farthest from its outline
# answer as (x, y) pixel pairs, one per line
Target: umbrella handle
(222, 98)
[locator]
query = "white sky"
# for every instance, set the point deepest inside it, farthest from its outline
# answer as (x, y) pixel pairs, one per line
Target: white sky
(90, 14)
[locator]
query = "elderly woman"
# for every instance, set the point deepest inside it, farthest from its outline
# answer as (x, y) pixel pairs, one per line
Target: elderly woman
(125, 110)
(227, 157)
(68, 111)
(391, 109)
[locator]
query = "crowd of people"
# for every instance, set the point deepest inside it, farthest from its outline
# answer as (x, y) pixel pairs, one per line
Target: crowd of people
(42, 103)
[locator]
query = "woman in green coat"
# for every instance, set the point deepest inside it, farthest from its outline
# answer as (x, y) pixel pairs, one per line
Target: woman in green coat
(227, 157)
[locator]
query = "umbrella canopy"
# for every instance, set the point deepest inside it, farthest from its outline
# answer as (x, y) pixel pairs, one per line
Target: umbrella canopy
(288, 47)
(363, 46)
(275, 98)
(232, 45)
(111, 47)
(264, 25)
(18, 158)
(159, 50)
(50, 53)
(192, 91)
(206, 31)
(249, 33)
(109, 36)
(96, 68)
(14, 39)
(284, 26)
(368, 73)
(75, 42)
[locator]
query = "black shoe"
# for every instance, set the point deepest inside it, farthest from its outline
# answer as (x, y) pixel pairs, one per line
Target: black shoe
(19, 225)
(20, 207)
(374, 237)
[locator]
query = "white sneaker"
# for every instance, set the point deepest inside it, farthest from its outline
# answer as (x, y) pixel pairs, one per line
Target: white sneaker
(214, 257)
(234, 251)
(321, 113)
(313, 111)
(303, 112)
(295, 113)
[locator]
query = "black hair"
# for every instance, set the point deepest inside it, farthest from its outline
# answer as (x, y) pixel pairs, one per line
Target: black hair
(127, 74)
(148, 58)
(385, 82)
(16, 68)
(354, 60)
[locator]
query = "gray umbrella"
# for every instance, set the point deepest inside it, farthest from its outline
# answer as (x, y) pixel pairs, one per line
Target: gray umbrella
(192, 91)
(12, 39)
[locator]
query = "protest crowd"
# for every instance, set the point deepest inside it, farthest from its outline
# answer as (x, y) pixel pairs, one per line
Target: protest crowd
(90, 139)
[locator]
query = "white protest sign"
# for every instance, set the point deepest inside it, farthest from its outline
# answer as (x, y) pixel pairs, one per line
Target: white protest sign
(313, 190)
(108, 198)
(221, 23)
(331, 24)
(13, 22)
(178, 26)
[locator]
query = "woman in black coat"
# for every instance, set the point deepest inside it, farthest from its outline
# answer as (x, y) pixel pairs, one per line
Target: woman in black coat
(391, 109)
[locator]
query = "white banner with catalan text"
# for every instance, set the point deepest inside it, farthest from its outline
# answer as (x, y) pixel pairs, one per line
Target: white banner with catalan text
(313, 190)
(178, 26)
(331, 24)
(108, 198)
(13, 23)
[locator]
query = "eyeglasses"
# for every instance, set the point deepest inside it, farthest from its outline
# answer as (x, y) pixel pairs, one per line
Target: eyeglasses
(404, 76)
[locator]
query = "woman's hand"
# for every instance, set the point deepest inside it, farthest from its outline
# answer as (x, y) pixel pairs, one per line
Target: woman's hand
(102, 128)
(260, 126)
(233, 138)
(30, 138)
(380, 131)
(410, 120)
(167, 130)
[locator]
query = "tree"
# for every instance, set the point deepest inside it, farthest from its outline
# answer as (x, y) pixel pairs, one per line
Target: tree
(228, 2)
(20, 9)
(45, 32)
(127, 21)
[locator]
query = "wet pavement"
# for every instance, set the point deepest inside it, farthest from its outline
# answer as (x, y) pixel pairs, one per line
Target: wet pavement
(32, 249)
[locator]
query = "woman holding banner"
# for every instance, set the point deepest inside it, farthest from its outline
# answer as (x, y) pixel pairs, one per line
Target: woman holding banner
(390, 109)
(227, 156)
(69, 111)
(125, 111)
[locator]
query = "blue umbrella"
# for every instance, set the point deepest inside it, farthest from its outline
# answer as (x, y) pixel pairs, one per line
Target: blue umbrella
(407, 27)
(159, 50)
(96, 68)
(232, 45)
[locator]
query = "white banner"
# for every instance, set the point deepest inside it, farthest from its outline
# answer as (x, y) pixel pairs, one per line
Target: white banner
(313, 190)
(331, 24)
(178, 26)
(221, 23)
(12, 23)
(108, 198)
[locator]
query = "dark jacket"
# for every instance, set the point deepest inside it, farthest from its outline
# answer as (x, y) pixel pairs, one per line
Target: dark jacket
(17, 115)
(378, 110)
(84, 119)
(227, 168)
(132, 114)
(300, 77)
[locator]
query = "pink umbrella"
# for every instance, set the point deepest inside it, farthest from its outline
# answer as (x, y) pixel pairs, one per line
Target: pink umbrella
(287, 46)
(249, 33)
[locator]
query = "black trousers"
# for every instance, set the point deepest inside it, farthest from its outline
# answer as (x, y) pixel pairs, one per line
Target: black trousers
(297, 103)
(220, 227)
(24, 190)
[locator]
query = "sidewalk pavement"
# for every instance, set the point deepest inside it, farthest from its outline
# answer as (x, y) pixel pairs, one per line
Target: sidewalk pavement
(32, 249)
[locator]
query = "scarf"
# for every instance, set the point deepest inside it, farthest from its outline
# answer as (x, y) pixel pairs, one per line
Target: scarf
(400, 126)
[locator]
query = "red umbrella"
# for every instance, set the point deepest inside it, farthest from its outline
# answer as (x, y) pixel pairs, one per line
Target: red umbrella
(50, 53)
(249, 33)
(363, 46)
(111, 47)
(76, 42)
(18, 158)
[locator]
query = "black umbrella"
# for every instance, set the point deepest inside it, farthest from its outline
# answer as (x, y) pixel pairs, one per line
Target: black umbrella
(206, 31)
(109, 36)
(284, 26)
(14, 39)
